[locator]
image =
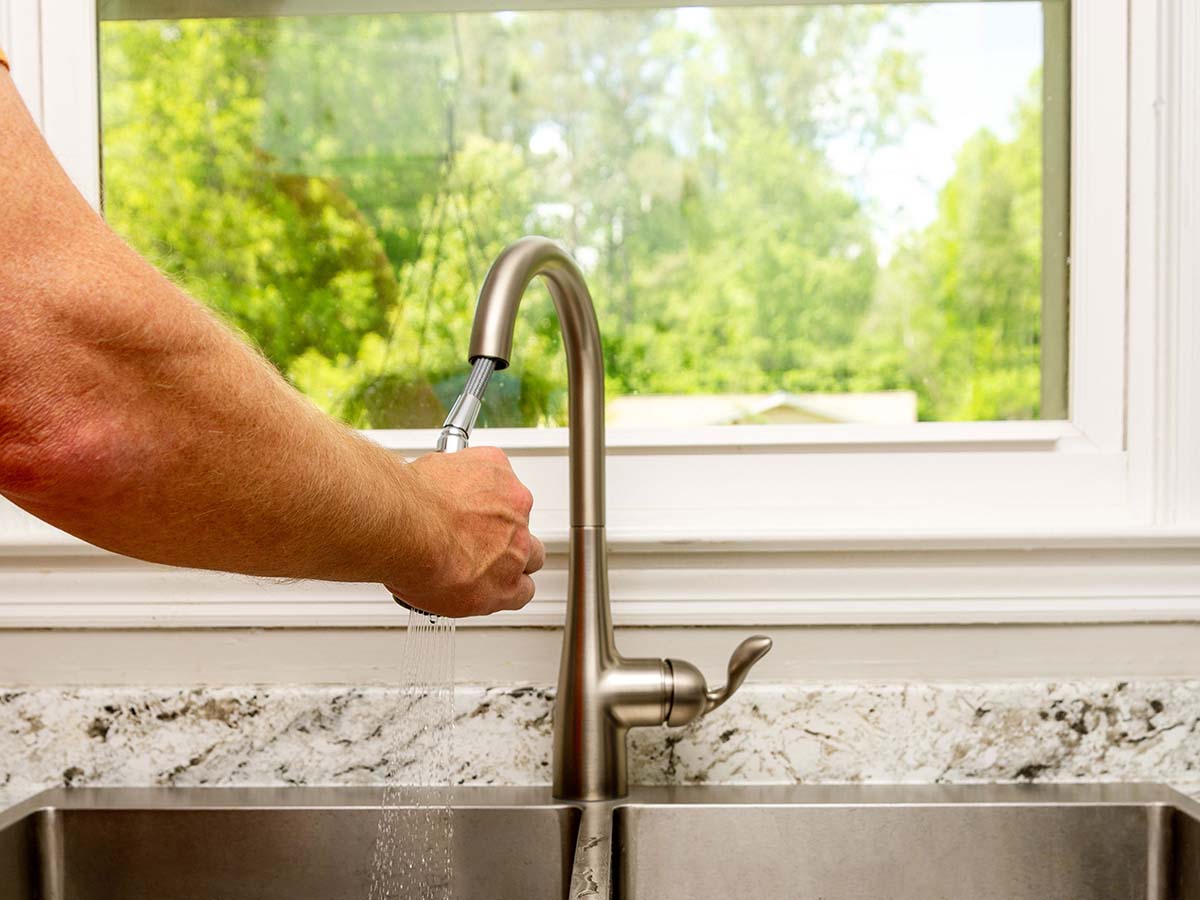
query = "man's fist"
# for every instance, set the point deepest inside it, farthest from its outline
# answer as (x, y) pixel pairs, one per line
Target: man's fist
(471, 514)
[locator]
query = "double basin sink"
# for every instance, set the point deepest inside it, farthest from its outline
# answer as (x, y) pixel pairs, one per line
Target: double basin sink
(1015, 842)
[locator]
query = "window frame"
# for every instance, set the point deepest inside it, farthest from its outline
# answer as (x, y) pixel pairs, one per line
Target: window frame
(1123, 470)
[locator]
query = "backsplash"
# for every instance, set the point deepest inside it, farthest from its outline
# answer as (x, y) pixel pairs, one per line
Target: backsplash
(1013, 731)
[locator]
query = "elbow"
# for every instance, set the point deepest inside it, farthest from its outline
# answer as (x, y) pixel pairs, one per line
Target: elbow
(64, 410)
(62, 461)
(71, 423)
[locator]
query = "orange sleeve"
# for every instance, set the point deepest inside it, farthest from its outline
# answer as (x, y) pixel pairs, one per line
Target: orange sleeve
(3, 59)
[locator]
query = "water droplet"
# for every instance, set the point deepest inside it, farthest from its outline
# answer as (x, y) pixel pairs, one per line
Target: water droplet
(413, 854)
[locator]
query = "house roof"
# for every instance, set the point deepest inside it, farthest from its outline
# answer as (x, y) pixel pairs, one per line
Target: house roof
(780, 407)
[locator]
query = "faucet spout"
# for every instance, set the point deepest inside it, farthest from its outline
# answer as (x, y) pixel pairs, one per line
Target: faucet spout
(601, 694)
(492, 335)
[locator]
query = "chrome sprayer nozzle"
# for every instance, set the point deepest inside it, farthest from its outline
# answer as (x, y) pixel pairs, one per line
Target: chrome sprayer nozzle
(456, 430)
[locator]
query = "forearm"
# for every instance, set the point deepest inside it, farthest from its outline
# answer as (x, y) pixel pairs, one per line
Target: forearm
(160, 435)
(130, 417)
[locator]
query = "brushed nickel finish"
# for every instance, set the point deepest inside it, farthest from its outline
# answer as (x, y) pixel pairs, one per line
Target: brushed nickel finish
(601, 694)
(491, 338)
(270, 844)
(840, 842)
(989, 842)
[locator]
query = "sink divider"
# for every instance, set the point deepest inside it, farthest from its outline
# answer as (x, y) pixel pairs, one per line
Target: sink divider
(591, 869)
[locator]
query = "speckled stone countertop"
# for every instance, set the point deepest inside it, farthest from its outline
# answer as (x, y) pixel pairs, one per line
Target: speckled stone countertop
(800, 733)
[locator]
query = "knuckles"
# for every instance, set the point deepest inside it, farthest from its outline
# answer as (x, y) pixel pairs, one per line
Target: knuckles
(492, 454)
(484, 570)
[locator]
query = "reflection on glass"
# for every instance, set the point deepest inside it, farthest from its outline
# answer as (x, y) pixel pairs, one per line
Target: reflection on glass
(786, 214)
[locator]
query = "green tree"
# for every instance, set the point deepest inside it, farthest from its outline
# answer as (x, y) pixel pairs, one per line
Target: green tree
(963, 297)
(289, 258)
(337, 186)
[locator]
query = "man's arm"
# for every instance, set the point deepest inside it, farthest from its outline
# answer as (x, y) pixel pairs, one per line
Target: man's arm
(132, 418)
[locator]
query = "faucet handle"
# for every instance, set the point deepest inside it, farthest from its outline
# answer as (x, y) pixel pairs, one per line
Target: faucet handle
(747, 653)
(690, 694)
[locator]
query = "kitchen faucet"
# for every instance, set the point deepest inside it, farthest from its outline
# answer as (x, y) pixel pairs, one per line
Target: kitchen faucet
(601, 694)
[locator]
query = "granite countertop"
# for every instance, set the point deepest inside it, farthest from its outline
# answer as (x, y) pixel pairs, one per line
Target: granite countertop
(800, 733)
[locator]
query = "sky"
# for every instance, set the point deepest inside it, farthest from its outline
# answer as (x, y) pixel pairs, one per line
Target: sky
(976, 61)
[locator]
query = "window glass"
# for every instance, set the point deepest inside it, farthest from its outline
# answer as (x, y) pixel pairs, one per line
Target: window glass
(786, 214)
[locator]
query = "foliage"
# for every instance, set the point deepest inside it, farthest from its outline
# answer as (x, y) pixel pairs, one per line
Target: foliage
(964, 296)
(337, 186)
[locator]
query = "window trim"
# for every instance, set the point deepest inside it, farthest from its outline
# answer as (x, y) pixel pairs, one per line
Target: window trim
(1123, 470)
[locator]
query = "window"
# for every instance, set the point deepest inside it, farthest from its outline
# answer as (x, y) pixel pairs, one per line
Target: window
(1045, 513)
(787, 214)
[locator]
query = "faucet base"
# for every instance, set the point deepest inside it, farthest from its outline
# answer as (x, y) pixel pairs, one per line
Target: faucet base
(589, 743)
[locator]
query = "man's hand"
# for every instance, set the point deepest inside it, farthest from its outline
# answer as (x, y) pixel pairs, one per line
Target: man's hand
(480, 553)
(130, 417)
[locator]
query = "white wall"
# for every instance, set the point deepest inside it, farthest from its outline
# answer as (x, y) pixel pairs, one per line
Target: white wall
(513, 656)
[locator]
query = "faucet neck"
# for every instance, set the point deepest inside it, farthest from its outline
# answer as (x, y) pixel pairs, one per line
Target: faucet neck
(491, 337)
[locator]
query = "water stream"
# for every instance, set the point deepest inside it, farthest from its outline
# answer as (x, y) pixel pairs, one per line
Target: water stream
(413, 853)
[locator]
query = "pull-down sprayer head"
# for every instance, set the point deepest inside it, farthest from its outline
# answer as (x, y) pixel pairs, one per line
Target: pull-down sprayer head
(456, 430)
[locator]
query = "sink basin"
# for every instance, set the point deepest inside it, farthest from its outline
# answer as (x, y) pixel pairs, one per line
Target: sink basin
(1080, 842)
(962, 843)
(267, 844)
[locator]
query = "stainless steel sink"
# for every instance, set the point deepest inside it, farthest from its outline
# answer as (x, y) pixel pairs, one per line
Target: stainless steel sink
(1083, 842)
(266, 844)
(921, 843)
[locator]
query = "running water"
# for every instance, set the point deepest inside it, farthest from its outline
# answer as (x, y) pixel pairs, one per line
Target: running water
(413, 849)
